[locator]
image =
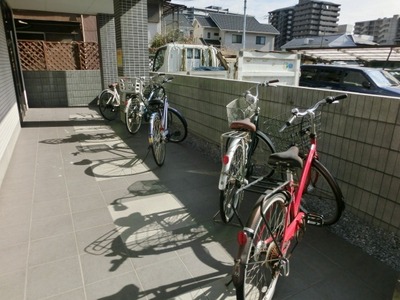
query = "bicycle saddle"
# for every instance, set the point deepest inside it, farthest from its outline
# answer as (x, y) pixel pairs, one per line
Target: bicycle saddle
(244, 124)
(156, 101)
(289, 158)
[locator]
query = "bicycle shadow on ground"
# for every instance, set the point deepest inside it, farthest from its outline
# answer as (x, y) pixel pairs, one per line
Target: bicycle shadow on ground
(138, 236)
(128, 292)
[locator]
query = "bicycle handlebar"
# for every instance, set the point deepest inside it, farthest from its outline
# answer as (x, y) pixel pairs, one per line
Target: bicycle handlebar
(250, 98)
(311, 111)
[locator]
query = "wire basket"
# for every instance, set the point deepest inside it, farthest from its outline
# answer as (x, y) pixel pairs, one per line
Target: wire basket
(239, 109)
(293, 135)
(133, 85)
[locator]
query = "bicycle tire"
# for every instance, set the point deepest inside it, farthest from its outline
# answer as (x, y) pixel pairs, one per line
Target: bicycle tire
(228, 204)
(133, 116)
(259, 258)
(262, 148)
(156, 139)
(322, 195)
(177, 126)
(108, 105)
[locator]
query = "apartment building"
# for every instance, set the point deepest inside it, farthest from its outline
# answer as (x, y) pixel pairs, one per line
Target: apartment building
(282, 20)
(386, 31)
(305, 19)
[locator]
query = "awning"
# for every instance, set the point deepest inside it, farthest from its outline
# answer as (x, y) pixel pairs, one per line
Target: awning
(375, 53)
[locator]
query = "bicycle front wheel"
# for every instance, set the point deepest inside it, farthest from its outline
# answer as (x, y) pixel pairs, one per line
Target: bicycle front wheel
(260, 258)
(177, 126)
(133, 116)
(108, 105)
(156, 139)
(262, 148)
(229, 199)
(322, 195)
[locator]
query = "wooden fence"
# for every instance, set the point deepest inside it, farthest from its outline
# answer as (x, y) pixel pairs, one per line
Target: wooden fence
(58, 56)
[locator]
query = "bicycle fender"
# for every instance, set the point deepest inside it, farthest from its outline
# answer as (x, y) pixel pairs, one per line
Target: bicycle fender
(151, 133)
(127, 104)
(223, 178)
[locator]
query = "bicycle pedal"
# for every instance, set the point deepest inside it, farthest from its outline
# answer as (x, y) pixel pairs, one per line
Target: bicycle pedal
(314, 219)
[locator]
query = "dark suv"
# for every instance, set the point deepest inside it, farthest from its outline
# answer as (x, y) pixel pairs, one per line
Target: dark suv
(350, 78)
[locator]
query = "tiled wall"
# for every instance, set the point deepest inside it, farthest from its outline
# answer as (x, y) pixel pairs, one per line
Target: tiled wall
(9, 117)
(62, 88)
(108, 52)
(360, 141)
(133, 53)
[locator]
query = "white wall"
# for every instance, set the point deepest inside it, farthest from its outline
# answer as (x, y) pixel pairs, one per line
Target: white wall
(226, 42)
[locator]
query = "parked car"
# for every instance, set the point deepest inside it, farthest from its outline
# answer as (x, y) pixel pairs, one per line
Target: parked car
(350, 78)
(395, 73)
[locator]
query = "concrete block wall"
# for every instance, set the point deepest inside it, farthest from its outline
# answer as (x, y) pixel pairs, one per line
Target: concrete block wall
(360, 137)
(62, 88)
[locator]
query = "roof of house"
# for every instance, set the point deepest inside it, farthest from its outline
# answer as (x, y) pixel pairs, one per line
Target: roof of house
(327, 41)
(230, 22)
(205, 21)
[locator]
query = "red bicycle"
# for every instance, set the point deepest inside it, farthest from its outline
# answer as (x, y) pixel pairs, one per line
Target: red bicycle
(280, 215)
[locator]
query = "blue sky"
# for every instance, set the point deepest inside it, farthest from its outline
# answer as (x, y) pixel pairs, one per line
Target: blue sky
(351, 11)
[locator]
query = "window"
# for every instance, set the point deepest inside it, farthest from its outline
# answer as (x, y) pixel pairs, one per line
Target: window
(236, 38)
(208, 35)
(354, 78)
(330, 75)
(309, 74)
(196, 53)
(189, 53)
(260, 40)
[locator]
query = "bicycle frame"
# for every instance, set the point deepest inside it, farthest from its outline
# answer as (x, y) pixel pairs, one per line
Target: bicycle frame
(295, 217)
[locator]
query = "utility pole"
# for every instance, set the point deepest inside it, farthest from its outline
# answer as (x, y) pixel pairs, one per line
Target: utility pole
(244, 25)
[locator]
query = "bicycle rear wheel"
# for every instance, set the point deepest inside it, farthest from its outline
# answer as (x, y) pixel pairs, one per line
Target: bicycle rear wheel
(260, 152)
(156, 139)
(133, 116)
(322, 196)
(260, 258)
(177, 126)
(229, 200)
(108, 105)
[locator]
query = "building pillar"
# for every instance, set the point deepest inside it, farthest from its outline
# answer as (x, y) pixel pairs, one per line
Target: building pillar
(131, 29)
(108, 49)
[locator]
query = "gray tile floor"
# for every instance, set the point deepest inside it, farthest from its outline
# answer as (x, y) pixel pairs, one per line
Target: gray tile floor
(86, 214)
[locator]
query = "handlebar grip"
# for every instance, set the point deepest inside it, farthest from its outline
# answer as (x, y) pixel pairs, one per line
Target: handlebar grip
(267, 83)
(340, 97)
(332, 99)
(288, 123)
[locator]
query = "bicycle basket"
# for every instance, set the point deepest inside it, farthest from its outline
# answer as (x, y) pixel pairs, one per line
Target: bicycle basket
(239, 109)
(295, 134)
(132, 85)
